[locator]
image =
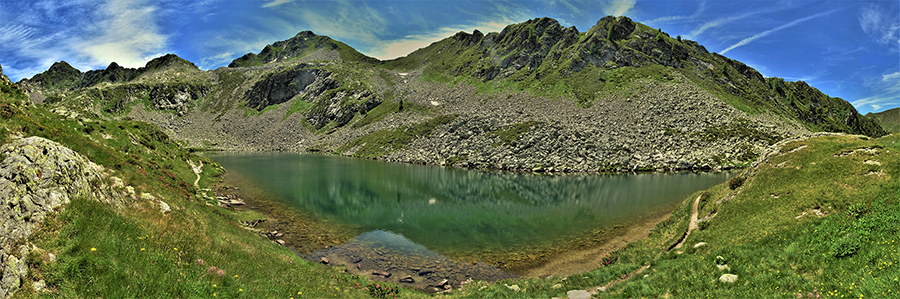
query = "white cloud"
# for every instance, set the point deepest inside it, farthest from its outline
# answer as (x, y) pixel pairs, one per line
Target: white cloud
(776, 29)
(128, 35)
(718, 22)
(617, 7)
(666, 19)
(276, 3)
(883, 27)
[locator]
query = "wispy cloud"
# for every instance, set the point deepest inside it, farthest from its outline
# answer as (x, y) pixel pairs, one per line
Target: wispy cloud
(886, 92)
(719, 22)
(881, 26)
(667, 19)
(274, 3)
(568, 5)
(348, 21)
(776, 29)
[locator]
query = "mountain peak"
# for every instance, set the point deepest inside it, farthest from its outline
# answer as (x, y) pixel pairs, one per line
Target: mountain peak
(305, 33)
(167, 61)
(302, 44)
(62, 66)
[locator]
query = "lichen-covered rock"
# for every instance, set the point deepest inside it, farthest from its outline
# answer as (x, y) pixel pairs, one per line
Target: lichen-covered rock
(36, 176)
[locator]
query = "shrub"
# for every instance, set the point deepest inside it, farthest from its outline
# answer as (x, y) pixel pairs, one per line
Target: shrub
(736, 183)
(382, 290)
(703, 225)
(845, 246)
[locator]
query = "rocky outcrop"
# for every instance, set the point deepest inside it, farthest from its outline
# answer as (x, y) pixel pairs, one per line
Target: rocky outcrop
(37, 176)
(4, 80)
(332, 103)
(176, 97)
(282, 86)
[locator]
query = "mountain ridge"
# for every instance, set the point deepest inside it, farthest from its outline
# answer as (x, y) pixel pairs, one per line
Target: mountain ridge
(889, 119)
(635, 99)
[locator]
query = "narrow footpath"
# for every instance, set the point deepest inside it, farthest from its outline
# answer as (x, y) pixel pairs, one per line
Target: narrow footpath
(691, 226)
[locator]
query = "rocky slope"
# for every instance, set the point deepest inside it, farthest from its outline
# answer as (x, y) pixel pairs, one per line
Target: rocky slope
(536, 97)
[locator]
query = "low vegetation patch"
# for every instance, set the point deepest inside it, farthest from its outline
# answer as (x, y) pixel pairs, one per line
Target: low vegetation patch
(382, 142)
(510, 134)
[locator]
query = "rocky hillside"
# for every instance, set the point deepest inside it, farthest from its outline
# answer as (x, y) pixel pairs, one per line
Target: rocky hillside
(536, 97)
(889, 119)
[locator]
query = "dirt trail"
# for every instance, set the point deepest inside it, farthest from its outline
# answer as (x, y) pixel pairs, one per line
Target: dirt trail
(691, 226)
(197, 170)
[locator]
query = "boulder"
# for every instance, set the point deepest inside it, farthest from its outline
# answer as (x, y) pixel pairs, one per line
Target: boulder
(729, 278)
(578, 294)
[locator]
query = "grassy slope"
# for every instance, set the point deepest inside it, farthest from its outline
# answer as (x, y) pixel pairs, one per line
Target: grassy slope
(138, 251)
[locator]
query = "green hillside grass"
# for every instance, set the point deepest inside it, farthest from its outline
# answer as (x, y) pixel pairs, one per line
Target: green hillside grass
(138, 251)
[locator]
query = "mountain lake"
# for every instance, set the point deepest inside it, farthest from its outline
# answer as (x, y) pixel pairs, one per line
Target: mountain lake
(433, 223)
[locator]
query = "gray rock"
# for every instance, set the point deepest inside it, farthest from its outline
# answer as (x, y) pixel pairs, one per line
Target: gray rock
(36, 176)
(39, 286)
(578, 294)
(729, 278)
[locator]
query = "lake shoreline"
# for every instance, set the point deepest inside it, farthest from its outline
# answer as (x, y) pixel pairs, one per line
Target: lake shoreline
(306, 234)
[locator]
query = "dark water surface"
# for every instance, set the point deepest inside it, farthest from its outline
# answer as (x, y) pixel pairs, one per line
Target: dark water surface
(454, 211)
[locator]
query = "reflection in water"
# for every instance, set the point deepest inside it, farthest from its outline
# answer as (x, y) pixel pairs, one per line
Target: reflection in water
(385, 251)
(454, 210)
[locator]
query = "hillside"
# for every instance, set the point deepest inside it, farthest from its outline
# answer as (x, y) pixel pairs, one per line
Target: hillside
(813, 215)
(93, 208)
(888, 119)
(99, 200)
(534, 97)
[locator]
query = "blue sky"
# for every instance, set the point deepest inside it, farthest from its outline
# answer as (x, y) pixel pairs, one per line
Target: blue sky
(847, 49)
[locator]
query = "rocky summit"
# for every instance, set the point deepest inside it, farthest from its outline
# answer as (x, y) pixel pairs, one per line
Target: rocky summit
(537, 96)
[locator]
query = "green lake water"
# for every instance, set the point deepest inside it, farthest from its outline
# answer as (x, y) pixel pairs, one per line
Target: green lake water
(453, 210)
